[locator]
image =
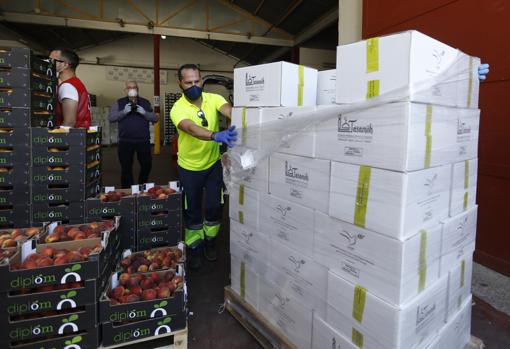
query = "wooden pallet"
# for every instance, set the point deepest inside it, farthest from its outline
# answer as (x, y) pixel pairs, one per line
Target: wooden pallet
(264, 332)
(173, 340)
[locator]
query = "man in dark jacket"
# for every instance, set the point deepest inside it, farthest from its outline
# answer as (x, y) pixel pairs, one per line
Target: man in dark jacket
(133, 113)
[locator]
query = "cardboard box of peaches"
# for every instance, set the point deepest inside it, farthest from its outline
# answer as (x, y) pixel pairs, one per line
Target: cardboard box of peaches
(147, 292)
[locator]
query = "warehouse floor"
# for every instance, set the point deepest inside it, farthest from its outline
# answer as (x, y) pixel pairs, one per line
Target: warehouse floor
(211, 330)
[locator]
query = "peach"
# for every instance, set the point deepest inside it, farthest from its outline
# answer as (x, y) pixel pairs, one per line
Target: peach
(169, 275)
(16, 266)
(60, 261)
(93, 225)
(177, 281)
(143, 268)
(162, 196)
(51, 238)
(33, 257)
(31, 231)
(9, 243)
(60, 253)
(19, 238)
(124, 299)
(16, 232)
(133, 298)
(155, 277)
(118, 292)
(92, 236)
(164, 292)
(125, 262)
(48, 252)
(44, 262)
(146, 283)
(124, 278)
(74, 257)
(153, 266)
(59, 229)
(80, 236)
(149, 294)
(73, 232)
(131, 270)
(133, 282)
(113, 302)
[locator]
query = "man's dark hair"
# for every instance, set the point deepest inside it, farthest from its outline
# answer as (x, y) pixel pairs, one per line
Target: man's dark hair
(69, 56)
(186, 66)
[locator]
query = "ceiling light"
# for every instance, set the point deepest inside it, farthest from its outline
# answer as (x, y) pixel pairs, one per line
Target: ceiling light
(163, 37)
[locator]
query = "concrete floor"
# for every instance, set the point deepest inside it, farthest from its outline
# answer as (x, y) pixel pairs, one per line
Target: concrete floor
(211, 330)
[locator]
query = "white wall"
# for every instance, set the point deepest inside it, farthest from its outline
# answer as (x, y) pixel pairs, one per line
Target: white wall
(317, 58)
(137, 51)
(350, 21)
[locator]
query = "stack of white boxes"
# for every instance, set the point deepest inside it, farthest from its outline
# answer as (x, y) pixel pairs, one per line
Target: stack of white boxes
(360, 232)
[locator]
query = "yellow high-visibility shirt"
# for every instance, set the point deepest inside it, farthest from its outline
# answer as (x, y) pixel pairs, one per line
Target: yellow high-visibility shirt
(195, 154)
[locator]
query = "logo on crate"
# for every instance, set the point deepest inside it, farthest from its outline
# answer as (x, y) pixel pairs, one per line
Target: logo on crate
(128, 315)
(102, 211)
(33, 280)
(352, 239)
(461, 226)
(67, 299)
(30, 331)
(3, 141)
(159, 308)
(69, 323)
(423, 313)
(297, 263)
(282, 301)
(151, 223)
(48, 178)
(35, 306)
(71, 272)
(48, 214)
(73, 343)
(43, 160)
(283, 210)
(163, 326)
(50, 197)
(462, 128)
(253, 83)
(293, 173)
(154, 239)
(430, 184)
(437, 56)
(346, 125)
(44, 139)
(131, 335)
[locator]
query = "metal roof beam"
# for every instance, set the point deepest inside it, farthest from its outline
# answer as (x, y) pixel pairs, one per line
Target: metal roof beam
(142, 29)
(24, 39)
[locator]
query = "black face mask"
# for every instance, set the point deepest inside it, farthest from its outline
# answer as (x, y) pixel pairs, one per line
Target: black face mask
(193, 93)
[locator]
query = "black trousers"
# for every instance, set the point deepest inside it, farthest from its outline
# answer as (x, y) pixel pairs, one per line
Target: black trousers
(126, 151)
(193, 184)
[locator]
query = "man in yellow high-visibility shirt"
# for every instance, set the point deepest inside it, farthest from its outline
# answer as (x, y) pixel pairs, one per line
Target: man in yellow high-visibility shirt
(196, 116)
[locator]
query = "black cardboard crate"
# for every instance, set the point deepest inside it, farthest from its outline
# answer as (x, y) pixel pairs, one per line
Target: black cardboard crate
(114, 334)
(148, 205)
(43, 137)
(33, 303)
(20, 57)
(94, 153)
(64, 323)
(42, 157)
(88, 339)
(21, 98)
(92, 268)
(179, 246)
(24, 117)
(147, 239)
(16, 216)
(60, 195)
(16, 196)
(143, 309)
(64, 175)
(162, 220)
(20, 157)
(72, 212)
(12, 176)
(126, 206)
(16, 137)
(26, 79)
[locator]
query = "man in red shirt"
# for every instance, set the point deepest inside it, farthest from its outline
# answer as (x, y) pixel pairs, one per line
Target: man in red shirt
(73, 107)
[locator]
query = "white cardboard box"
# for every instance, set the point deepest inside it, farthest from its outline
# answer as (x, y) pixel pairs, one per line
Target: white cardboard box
(325, 337)
(392, 203)
(257, 178)
(301, 180)
(275, 84)
(259, 127)
(245, 281)
(326, 87)
(400, 136)
(299, 276)
(397, 66)
(456, 334)
(379, 325)
(250, 247)
(458, 239)
(391, 269)
(459, 285)
(287, 313)
(244, 205)
(464, 181)
(288, 223)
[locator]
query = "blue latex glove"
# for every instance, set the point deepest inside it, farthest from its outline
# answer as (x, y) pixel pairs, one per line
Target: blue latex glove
(483, 70)
(228, 136)
(127, 109)
(140, 110)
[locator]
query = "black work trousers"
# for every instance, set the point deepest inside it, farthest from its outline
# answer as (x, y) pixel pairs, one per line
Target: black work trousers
(126, 153)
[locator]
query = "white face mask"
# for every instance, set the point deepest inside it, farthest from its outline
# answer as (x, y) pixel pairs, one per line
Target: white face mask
(132, 92)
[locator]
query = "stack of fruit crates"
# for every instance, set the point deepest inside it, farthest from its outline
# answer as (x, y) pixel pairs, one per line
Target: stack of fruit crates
(27, 99)
(145, 297)
(52, 285)
(159, 216)
(66, 170)
(115, 202)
